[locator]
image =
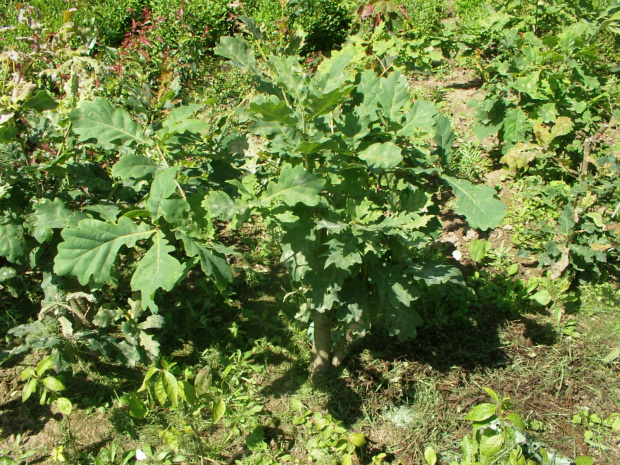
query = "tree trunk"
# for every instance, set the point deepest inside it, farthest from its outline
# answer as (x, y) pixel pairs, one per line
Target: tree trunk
(322, 346)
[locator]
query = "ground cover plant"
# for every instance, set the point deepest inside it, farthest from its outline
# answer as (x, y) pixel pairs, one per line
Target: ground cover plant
(309, 232)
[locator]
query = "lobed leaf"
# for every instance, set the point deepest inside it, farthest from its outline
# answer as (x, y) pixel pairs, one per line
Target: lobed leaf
(382, 155)
(98, 120)
(295, 185)
(90, 249)
(477, 204)
(156, 270)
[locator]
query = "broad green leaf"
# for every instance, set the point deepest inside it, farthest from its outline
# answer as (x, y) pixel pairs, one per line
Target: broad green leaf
(324, 103)
(150, 345)
(477, 204)
(382, 155)
(180, 121)
(299, 246)
(187, 392)
(516, 420)
(491, 445)
(516, 125)
(134, 167)
(98, 120)
(202, 383)
(434, 274)
(29, 388)
(53, 384)
(492, 394)
(343, 256)
(542, 298)
(219, 409)
(211, 262)
(444, 137)
(357, 439)
(54, 214)
(238, 52)
(430, 456)
(40, 102)
(529, 85)
(8, 132)
(290, 76)
(145, 382)
(566, 223)
(171, 387)
(584, 459)
(481, 412)
(160, 392)
(421, 116)
(156, 270)
(44, 365)
(479, 249)
(403, 321)
(324, 287)
(195, 126)
(220, 205)
(397, 294)
(12, 242)
(7, 273)
(163, 187)
(137, 409)
(64, 405)
(180, 114)
(393, 96)
(106, 316)
(332, 73)
(563, 125)
(274, 110)
(109, 212)
(90, 248)
(295, 185)
(152, 322)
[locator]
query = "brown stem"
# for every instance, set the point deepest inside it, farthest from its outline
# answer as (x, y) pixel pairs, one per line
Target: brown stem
(322, 345)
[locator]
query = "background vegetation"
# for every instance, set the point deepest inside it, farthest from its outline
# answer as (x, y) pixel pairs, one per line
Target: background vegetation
(274, 231)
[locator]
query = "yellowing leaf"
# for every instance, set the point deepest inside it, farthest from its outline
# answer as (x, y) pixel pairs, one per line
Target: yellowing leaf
(520, 156)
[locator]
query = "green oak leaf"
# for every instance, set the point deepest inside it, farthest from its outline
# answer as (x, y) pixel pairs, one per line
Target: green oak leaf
(295, 185)
(477, 204)
(220, 205)
(238, 52)
(156, 270)
(324, 287)
(90, 248)
(393, 96)
(211, 261)
(134, 167)
(163, 187)
(516, 125)
(382, 155)
(324, 103)
(40, 102)
(444, 137)
(421, 116)
(99, 120)
(435, 274)
(12, 242)
(343, 256)
(54, 214)
(274, 110)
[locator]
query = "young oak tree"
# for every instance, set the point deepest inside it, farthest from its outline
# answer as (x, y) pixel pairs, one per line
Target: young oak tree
(346, 176)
